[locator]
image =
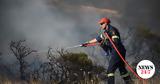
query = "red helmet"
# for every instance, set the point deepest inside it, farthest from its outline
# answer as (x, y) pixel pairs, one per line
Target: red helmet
(104, 20)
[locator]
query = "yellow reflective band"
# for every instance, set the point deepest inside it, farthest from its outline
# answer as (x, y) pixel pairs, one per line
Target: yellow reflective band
(113, 37)
(125, 75)
(101, 36)
(110, 74)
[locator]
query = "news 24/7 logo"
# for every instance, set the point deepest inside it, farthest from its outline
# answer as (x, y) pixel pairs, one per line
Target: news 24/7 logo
(145, 69)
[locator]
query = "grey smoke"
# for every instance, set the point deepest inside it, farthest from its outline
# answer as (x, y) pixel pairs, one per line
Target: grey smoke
(63, 23)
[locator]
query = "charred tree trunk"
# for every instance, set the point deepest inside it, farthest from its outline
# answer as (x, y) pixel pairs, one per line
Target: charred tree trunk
(21, 51)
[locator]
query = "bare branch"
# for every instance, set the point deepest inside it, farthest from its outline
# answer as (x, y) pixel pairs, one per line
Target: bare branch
(21, 51)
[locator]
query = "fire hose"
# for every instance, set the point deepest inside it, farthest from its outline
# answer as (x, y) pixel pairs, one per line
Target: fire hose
(120, 55)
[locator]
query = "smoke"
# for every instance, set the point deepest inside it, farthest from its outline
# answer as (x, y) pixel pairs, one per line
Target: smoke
(142, 12)
(44, 24)
(63, 23)
(34, 22)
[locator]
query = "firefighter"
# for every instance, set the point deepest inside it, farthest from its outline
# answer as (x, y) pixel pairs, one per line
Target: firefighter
(115, 61)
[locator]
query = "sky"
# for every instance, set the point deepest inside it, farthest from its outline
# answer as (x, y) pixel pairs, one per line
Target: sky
(64, 23)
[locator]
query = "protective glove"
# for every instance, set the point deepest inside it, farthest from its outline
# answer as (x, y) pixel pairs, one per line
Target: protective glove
(85, 44)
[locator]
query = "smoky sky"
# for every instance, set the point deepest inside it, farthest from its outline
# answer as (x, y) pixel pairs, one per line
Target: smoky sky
(44, 24)
(62, 23)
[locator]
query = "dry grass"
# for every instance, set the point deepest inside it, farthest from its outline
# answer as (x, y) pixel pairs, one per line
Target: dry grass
(155, 80)
(5, 80)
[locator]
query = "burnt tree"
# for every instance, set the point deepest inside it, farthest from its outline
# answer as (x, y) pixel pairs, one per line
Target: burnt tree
(20, 50)
(55, 68)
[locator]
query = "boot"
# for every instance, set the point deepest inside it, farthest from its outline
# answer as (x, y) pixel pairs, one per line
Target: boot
(128, 80)
(111, 80)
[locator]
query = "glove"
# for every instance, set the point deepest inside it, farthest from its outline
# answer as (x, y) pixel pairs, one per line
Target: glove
(85, 44)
